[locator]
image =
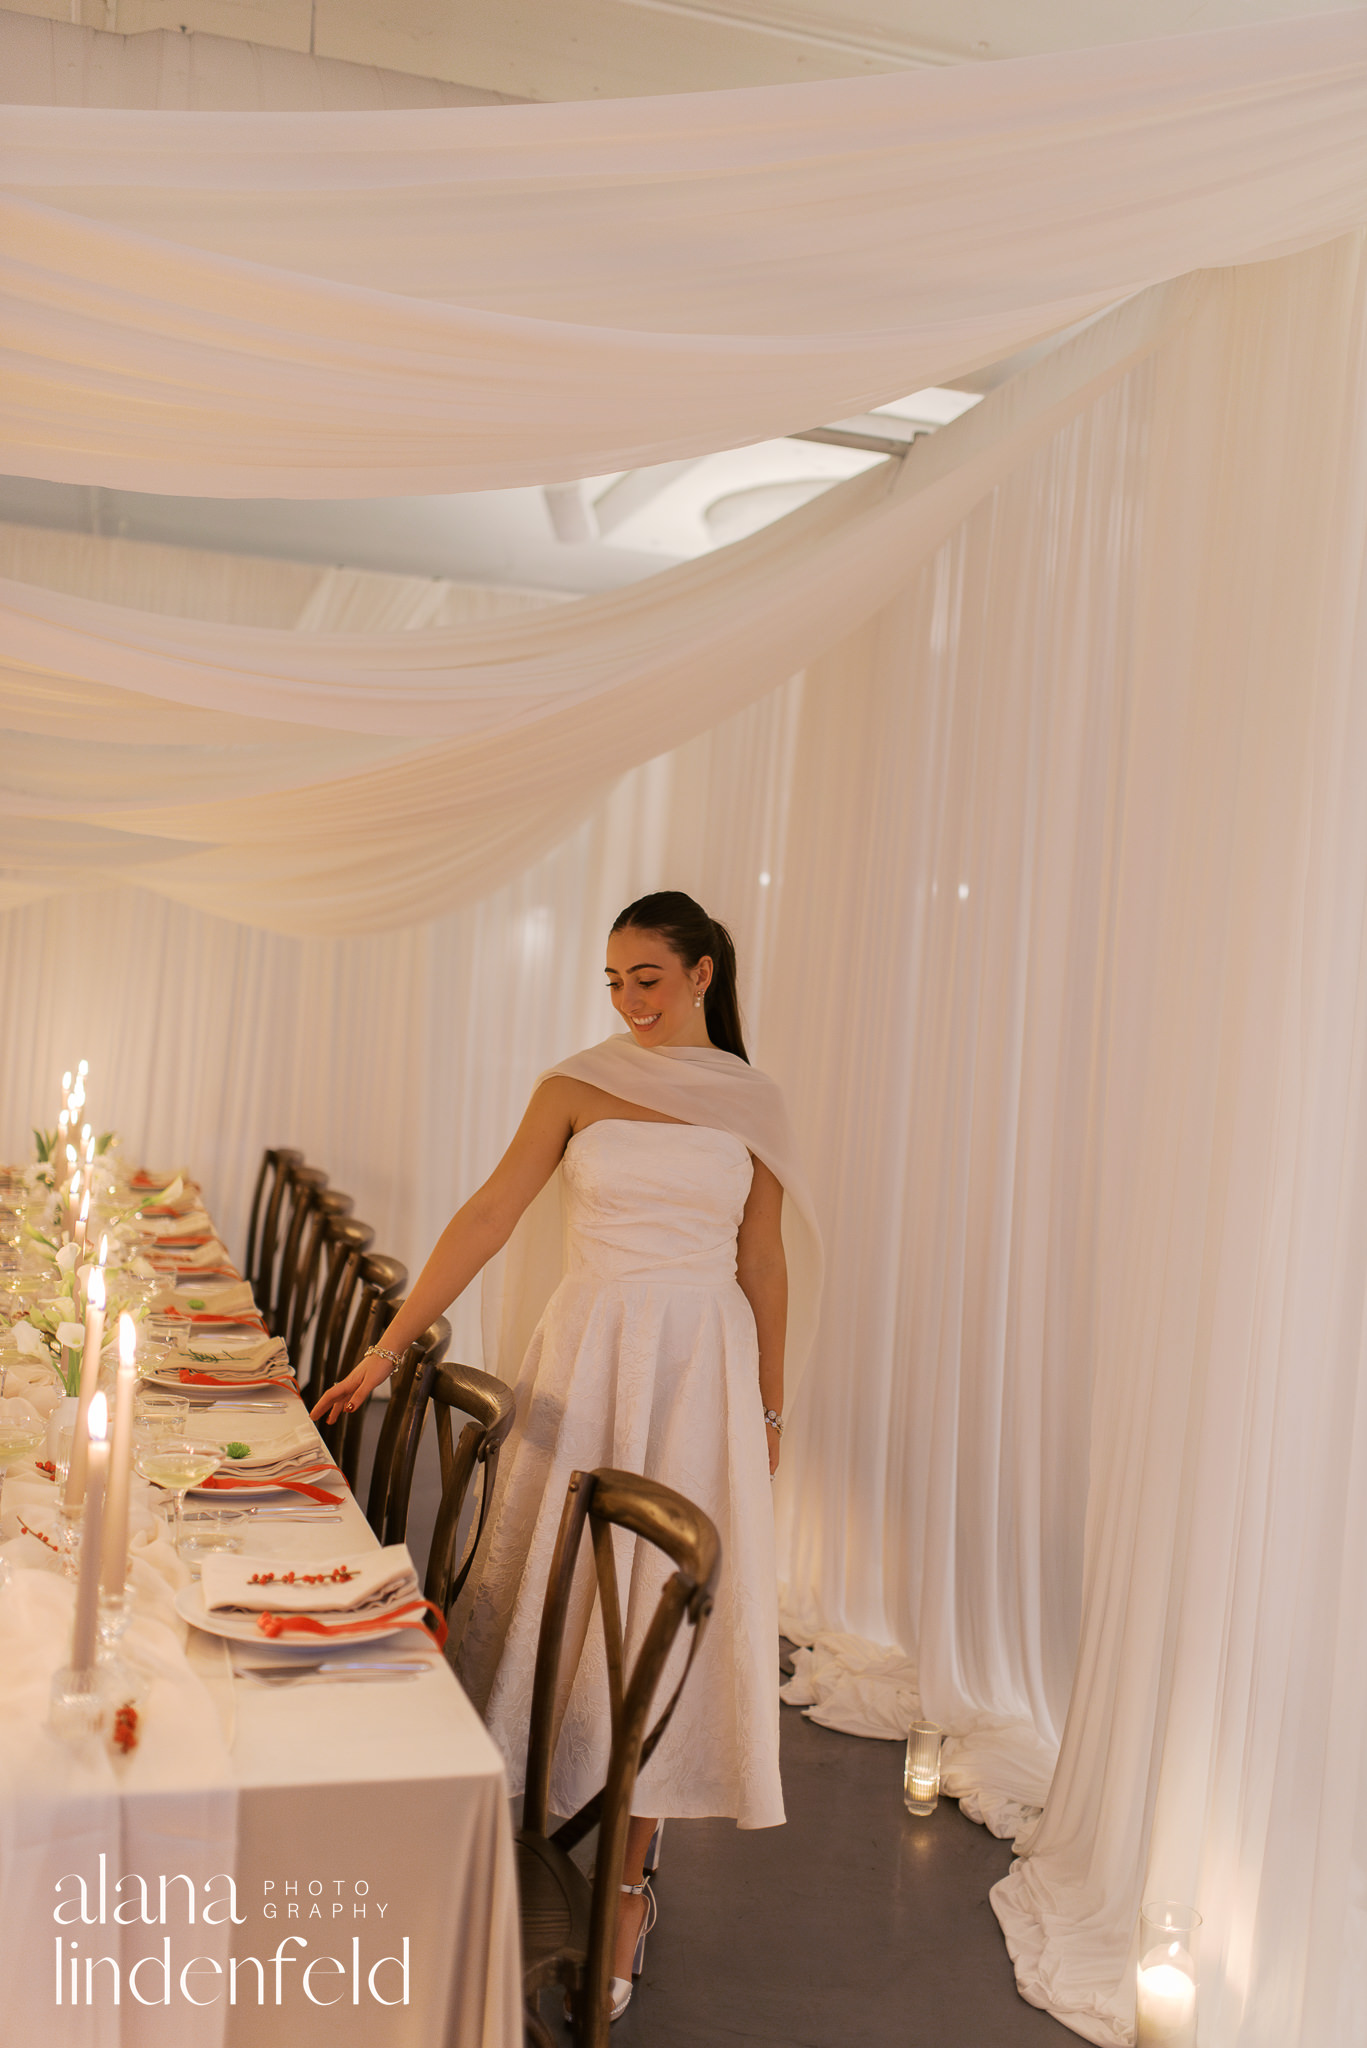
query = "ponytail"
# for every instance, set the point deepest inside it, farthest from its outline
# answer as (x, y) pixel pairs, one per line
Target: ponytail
(691, 933)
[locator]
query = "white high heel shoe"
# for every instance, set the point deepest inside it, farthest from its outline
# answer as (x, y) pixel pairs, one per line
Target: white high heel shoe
(620, 1988)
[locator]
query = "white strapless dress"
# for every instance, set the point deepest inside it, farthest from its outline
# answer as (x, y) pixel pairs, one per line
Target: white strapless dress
(645, 1359)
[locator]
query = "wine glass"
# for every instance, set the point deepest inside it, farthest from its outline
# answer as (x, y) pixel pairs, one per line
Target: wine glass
(176, 1464)
(22, 1429)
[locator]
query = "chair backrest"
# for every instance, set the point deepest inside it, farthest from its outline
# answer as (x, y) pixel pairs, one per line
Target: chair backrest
(344, 1243)
(330, 1202)
(390, 1482)
(488, 1404)
(303, 1186)
(379, 1283)
(608, 1500)
(263, 1223)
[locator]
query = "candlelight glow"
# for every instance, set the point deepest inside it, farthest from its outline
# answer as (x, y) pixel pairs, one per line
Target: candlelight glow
(66, 1082)
(83, 1068)
(104, 1250)
(85, 1206)
(128, 1339)
(94, 1293)
(98, 1424)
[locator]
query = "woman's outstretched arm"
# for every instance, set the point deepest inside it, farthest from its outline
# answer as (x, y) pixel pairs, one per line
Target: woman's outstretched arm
(762, 1272)
(472, 1236)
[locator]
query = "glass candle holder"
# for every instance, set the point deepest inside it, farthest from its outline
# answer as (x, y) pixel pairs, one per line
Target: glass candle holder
(1165, 1987)
(921, 1781)
(77, 1706)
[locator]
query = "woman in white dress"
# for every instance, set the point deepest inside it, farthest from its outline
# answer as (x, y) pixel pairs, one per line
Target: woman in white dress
(648, 1179)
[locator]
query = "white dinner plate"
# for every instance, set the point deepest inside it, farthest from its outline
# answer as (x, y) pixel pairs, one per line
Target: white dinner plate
(224, 1496)
(237, 1628)
(172, 1383)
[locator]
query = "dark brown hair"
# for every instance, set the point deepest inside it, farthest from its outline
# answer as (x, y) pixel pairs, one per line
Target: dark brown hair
(690, 932)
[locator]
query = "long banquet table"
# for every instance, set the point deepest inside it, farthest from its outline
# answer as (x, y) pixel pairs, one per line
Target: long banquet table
(364, 1826)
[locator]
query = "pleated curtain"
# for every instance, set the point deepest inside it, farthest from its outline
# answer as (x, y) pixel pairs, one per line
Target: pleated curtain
(1049, 878)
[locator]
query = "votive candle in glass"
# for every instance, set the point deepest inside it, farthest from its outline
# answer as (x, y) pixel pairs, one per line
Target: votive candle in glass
(921, 1782)
(1165, 1986)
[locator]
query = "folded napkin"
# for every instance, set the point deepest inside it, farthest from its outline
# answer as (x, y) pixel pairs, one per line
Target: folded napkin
(234, 1363)
(210, 1260)
(226, 1301)
(294, 1453)
(194, 1226)
(335, 1596)
(147, 1180)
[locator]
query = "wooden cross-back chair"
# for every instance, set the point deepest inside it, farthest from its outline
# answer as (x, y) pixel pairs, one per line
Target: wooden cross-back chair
(304, 1185)
(487, 1408)
(264, 1222)
(345, 1240)
(387, 1510)
(360, 1312)
(568, 1925)
(329, 1204)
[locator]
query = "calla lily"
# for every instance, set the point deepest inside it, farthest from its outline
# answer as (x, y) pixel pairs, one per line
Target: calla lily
(70, 1336)
(67, 1257)
(29, 1340)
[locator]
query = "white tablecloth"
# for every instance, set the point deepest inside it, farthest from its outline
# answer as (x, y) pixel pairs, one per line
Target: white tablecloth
(358, 1822)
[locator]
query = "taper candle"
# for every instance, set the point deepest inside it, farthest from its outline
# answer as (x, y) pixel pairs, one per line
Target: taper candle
(90, 1373)
(88, 1584)
(114, 1564)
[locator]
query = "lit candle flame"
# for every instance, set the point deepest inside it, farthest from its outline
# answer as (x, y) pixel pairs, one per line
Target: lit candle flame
(128, 1339)
(104, 1248)
(98, 1421)
(85, 1206)
(84, 1067)
(66, 1082)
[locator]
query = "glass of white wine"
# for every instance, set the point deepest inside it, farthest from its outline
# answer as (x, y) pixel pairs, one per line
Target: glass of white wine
(22, 1429)
(177, 1464)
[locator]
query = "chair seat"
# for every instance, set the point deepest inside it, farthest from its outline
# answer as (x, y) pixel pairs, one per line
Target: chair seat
(555, 1899)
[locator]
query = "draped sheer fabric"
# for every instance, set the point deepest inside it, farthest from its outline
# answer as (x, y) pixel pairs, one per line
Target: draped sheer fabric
(1083, 1426)
(341, 304)
(1060, 965)
(487, 743)
(1083, 1431)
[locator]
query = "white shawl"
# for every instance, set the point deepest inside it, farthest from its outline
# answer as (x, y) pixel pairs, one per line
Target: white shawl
(698, 1084)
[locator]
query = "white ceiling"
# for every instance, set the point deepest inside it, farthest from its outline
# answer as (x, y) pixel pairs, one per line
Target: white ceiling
(587, 49)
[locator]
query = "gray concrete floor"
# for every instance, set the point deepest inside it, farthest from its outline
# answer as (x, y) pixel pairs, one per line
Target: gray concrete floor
(856, 1925)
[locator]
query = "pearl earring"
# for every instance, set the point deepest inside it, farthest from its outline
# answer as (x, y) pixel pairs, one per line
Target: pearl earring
(697, 1002)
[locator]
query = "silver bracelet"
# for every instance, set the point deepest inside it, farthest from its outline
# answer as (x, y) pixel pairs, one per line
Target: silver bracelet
(774, 1420)
(378, 1351)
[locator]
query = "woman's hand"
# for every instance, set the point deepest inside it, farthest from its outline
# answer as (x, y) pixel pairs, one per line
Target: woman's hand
(348, 1394)
(774, 1441)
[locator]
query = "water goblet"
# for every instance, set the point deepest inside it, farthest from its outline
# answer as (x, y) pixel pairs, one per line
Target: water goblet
(176, 1464)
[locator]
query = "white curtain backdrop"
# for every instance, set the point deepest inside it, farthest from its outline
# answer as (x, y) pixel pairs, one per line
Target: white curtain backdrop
(1060, 958)
(1075, 1022)
(1060, 962)
(343, 304)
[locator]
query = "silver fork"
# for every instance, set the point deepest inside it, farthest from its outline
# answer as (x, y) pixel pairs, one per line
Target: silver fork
(282, 1675)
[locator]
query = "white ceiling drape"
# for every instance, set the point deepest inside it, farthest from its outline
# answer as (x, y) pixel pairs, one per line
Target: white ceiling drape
(345, 304)
(1060, 963)
(1083, 1431)
(341, 781)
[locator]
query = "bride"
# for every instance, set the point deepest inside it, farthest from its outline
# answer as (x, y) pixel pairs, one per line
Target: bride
(660, 1350)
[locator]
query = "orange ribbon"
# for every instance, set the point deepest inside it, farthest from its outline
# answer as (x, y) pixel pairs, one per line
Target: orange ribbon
(280, 1624)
